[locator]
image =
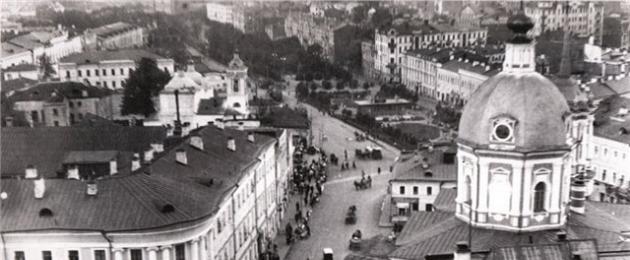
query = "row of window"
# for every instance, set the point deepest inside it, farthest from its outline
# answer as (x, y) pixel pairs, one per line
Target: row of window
(415, 190)
(605, 152)
(134, 254)
(96, 72)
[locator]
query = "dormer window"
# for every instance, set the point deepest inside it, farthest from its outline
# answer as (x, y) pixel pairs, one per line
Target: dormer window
(503, 130)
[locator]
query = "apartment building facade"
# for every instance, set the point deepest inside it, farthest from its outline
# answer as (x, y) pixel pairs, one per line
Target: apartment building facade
(584, 18)
(114, 36)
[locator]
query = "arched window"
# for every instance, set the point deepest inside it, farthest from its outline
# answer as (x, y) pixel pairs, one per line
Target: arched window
(235, 86)
(500, 191)
(237, 105)
(539, 197)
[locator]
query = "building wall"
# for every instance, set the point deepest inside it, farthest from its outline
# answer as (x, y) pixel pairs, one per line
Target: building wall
(391, 46)
(422, 197)
(310, 30)
(420, 72)
(610, 161)
(61, 47)
(9, 75)
(585, 18)
(107, 74)
(15, 59)
(132, 38)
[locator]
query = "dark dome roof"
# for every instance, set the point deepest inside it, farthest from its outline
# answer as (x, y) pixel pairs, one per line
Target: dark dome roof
(520, 23)
(531, 99)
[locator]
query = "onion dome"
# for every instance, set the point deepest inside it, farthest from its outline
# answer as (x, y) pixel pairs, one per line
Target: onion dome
(520, 24)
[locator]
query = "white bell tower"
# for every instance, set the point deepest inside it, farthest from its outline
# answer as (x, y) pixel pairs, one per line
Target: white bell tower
(237, 97)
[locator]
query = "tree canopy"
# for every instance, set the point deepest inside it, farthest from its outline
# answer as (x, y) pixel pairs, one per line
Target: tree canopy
(145, 82)
(45, 66)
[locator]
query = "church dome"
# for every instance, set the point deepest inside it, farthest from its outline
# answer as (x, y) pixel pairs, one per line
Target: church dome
(523, 110)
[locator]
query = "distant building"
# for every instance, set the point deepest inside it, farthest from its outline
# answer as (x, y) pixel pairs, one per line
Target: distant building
(310, 29)
(107, 69)
(13, 55)
(394, 41)
(25, 70)
(378, 107)
(60, 103)
(585, 18)
(605, 63)
(368, 53)
(418, 178)
(242, 17)
(113, 36)
(275, 29)
(55, 45)
(458, 79)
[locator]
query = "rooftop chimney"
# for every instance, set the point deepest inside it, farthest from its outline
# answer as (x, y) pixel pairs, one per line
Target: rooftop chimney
(250, 137)
(113, 166)
(231, 144)
(73, 172)
(30, 172)
(578, 195)
(180, 156)
(92, 189)
(40, 188)
(135, 162)
(197, 142)
(148, 155)
(462, 252)
(157, 147)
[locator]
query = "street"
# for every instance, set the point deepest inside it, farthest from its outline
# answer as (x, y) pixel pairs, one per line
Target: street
(327, 222)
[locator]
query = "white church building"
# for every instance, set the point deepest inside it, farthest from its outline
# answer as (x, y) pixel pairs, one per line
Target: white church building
(199, 99)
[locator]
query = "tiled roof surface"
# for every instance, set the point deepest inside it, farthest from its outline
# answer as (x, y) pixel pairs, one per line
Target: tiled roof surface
(600, 90)
(411, 168)
(621, 86)
(123, 203)
(445, 200)
(429, 233)
(89, 156)
(21, 67)
(32, 40)
(610, 128)
(53, 91)
(110, 29)
(46, 147)
(456, 65)
(16, 84)
(9, 49)
(98, 56)
(587, 250)
(373, 248)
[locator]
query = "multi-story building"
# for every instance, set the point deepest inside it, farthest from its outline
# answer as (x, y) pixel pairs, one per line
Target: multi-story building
(368, 52)
(418, 178)
(449, 75)
(605, 63)
(217, 194)
(242, 16)
(14, 55)
(584, 18)
(113, 36)
(625, 33)
(393, 42)
(60, 103)
(55, 44)
(107, 69)
(310, 29)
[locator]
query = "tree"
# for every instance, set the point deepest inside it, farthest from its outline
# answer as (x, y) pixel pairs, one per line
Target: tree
(327, 85)
(354, 84)
(145, 82)
(301, 90)
(45, 66)
(366, 85)
(340, 84)
(359, 13)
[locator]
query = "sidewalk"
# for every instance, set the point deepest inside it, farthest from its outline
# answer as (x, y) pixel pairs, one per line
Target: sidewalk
(386, 208)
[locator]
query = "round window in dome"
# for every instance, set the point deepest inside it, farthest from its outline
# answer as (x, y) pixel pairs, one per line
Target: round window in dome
(502, 132)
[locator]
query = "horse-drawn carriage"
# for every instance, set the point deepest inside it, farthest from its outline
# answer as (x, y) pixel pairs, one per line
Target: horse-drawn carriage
(369, 152)
(355, 240)
(334, 159)
(351, 216)
(363, 184)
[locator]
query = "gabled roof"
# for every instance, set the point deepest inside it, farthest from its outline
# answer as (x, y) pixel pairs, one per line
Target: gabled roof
(9, 49)
(613, 128)
(115, 55)
(46, 147)
(53, 91)
(211, 106)
(445, 200)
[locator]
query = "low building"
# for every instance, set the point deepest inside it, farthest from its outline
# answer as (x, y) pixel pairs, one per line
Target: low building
(13, 55)
(24, 70)
(108, 69)
(418, 179)
(60, 103)
(113, 36)
(378, 107)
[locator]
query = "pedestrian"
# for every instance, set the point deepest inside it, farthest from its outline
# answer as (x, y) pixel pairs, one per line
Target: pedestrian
(308, 230)
(391, 168)
(345, 154)
(354, 165)
(362, 174)
(379, 170)
(297, 206)
(306, 199)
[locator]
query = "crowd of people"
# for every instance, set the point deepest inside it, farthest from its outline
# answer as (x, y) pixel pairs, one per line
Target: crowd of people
(307, 182)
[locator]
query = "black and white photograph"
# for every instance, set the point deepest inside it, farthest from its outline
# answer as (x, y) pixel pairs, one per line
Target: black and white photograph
(315, 130)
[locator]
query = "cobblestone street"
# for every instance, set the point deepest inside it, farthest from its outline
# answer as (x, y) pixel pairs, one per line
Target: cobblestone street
(328, 219)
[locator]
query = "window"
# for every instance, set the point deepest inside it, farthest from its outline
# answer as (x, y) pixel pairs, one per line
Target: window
(99, 254)
(87, 73)
(122, 71)
(468, 190)
(402, 189)
(539, 197)
(500, 190)
(56, 123)
(104, 83)
(429, 190)
(80, 116)
(79, 104)
(113, 84)
(113, 72)
(19, 255)
(235, 86)
(180, 252)
(428, 207)
(79, 73)
(136, 254)
(603, 175)
(34, 116)
(104, 72)
(67, 74)
(46, 255)
(95, 72)
(415, 190)
(130, 70)
(73, 255)
(71, 104)
(55, 112)
(71, 118)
